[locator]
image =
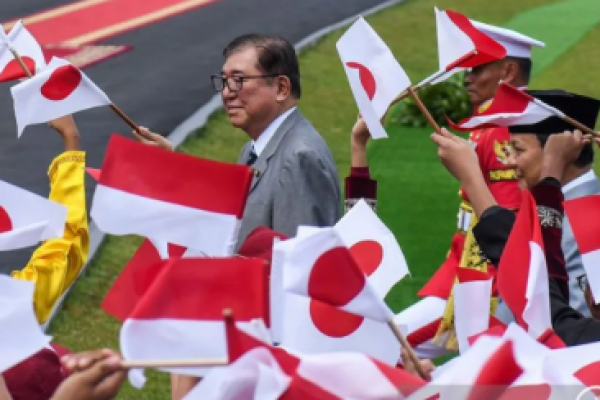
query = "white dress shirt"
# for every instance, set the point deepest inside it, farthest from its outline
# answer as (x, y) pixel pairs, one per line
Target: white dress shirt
(262, 141)
(588, 176)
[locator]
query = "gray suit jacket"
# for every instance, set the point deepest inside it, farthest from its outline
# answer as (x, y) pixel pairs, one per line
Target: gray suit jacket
(295, 182)
(571, 251)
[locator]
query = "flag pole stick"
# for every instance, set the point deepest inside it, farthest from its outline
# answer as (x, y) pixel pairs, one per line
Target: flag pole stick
(424, 110)
(126, 118)
(217, 362)
(20, 61)
(566, 118)
(435, 76)
(411, 353)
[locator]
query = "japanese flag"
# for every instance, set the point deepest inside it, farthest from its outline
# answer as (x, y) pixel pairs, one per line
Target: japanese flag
(26, 218)
(60, 89)
(375, 76)
(373, 247)
(321, 267)
(25, 45)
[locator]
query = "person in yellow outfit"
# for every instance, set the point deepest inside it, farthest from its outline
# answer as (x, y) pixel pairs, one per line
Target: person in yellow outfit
(55, 265)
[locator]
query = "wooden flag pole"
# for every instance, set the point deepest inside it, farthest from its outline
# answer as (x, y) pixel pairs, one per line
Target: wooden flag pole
(126, 118)
(411, 353)
(433, 77)
(567, 119)
(424, 110)
(217, 362)
(20, 61)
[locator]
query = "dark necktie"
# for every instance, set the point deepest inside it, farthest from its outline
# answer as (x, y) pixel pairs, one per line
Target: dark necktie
(251, 157)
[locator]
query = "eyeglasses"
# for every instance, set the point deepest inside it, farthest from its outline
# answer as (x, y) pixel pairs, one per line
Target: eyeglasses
(234, 83)
(582, 282)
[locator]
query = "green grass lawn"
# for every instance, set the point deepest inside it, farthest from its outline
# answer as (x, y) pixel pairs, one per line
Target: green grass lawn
(417, 198)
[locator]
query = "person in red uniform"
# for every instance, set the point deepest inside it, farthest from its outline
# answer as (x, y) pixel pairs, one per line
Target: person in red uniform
(432, 317)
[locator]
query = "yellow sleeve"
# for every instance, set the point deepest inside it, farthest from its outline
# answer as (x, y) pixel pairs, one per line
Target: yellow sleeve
(56, 263)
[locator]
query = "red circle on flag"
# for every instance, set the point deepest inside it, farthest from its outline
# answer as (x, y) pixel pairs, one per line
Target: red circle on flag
(368, 254)
(367, 79)
(5, 222)
(332, 321)
(326, 270)
(13, 70)
(62, 82)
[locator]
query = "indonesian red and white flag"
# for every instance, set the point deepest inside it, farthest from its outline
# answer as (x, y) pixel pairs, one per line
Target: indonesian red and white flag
(357, 376)
(26, 218)
(577, 364)
(181, 315)
(510, 106)
(484, 372)
(461, 45)
(472, 296)
(582, 216)
(25, 45)
(373, 246)
(20, 333)
(188, 201)
(58, 90)
(320, 267)
(375, 76)
(310, 326)
(255, 375)
(522, 273)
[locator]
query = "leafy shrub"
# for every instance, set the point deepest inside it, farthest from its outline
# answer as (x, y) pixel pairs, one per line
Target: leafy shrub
(448, 98)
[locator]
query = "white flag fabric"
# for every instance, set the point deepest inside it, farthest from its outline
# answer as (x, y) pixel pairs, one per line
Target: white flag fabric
(188, 201)
(26, 218)
(256, 375)
(472, 296)
(322, 268)
(60, 89)
(373, 246)
(356, 376)
(375, 76)
(25, 45)
(20, 333)
(577, 364)
(582, 214)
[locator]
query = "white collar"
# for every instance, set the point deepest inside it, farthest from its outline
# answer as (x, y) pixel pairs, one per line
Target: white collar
(580, 180)
(262, 141)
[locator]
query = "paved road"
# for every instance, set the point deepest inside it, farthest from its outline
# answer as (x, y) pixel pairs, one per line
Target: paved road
(162, 81)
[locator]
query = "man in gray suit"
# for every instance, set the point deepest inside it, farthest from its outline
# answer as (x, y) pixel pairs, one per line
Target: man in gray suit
(295, 181)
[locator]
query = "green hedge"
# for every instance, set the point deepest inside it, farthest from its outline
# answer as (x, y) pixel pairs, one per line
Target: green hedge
(446, 98)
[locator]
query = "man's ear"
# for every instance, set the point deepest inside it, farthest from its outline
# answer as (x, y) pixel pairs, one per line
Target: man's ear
(284, 88)
(510, 72)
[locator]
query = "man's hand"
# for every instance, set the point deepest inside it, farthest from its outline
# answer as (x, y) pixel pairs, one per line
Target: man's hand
(426, 365)
(152, 139)
(96, 375)
(560, 151)
(66, 128)
(358, 144)
(457, 155)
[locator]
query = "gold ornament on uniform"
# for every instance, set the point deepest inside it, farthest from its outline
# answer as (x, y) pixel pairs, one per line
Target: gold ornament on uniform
(470, 258)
